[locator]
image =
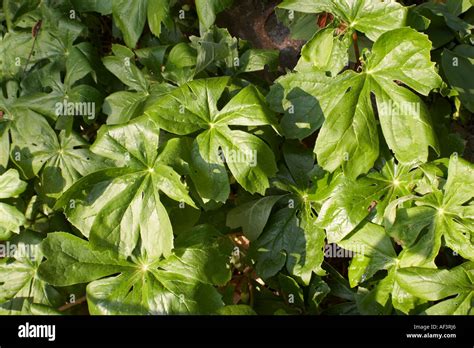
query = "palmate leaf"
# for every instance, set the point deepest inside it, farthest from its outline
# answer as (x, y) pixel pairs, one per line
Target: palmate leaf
(57, 161)
(443, 213)
(14, 45)
(19, 283)
(192, 108)
(374, 252)
(123, 106)
(436, 284)
(418, 230)
(54, 41)
(352, 201)
(120, 208)
(180, 284)
(65, 99)
(372, 17)
(290, 237)
(349, 136)
(283, 243)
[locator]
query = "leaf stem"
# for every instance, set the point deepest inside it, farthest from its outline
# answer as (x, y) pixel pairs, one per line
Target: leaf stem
(356, 50)
(72, 304)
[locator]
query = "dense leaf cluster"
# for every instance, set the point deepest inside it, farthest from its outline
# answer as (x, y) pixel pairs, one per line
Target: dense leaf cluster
(152, 163)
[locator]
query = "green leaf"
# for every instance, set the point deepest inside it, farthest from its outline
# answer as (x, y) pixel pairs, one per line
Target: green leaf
(375, 301)
(247, 108)
(290, 289)
(12, 220)
(374, 19)
(371, 18)
(4, 145)
(310, 257)
(78, 63)
(195, 256)
(374, 251)
(19, 283)
(318, 50)
(300, 163)
(207, 168)
(353, 135)
(120, 208)
(318, 290)
(250, 159)
(144, 285)
(127, 72)
(12, 46)
(307, 6)
(158, 13)
(281, 238)
(155, 292)
(456, 7)
(130, 18)
(252, 216)
(58, 162)
(434, 284)
(215, 48)
(181, 63)
(459, 305)
(104, 7)
(190, 107)
(349, 135)
(14, 12)
(39, 309)
(123, 106)
(298, 97)
(354, 200)
(457, 65)
(258, 59)
(193, 107)
(208, 9)
(441, 213)
(10, 184)
(292, 239)
(71, 260)
(440, 12)
(300, 24)
(325, 52)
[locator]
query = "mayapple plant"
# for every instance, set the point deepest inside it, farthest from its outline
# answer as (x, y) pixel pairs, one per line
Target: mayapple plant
(153, 163)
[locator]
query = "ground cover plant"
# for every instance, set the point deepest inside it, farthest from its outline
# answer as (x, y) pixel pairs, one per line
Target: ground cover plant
(167, 157)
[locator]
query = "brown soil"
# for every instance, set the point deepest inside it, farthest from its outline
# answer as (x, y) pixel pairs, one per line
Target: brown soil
(256, 22)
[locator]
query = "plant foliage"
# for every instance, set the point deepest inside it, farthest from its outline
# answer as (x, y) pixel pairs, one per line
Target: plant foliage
(153, 163)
